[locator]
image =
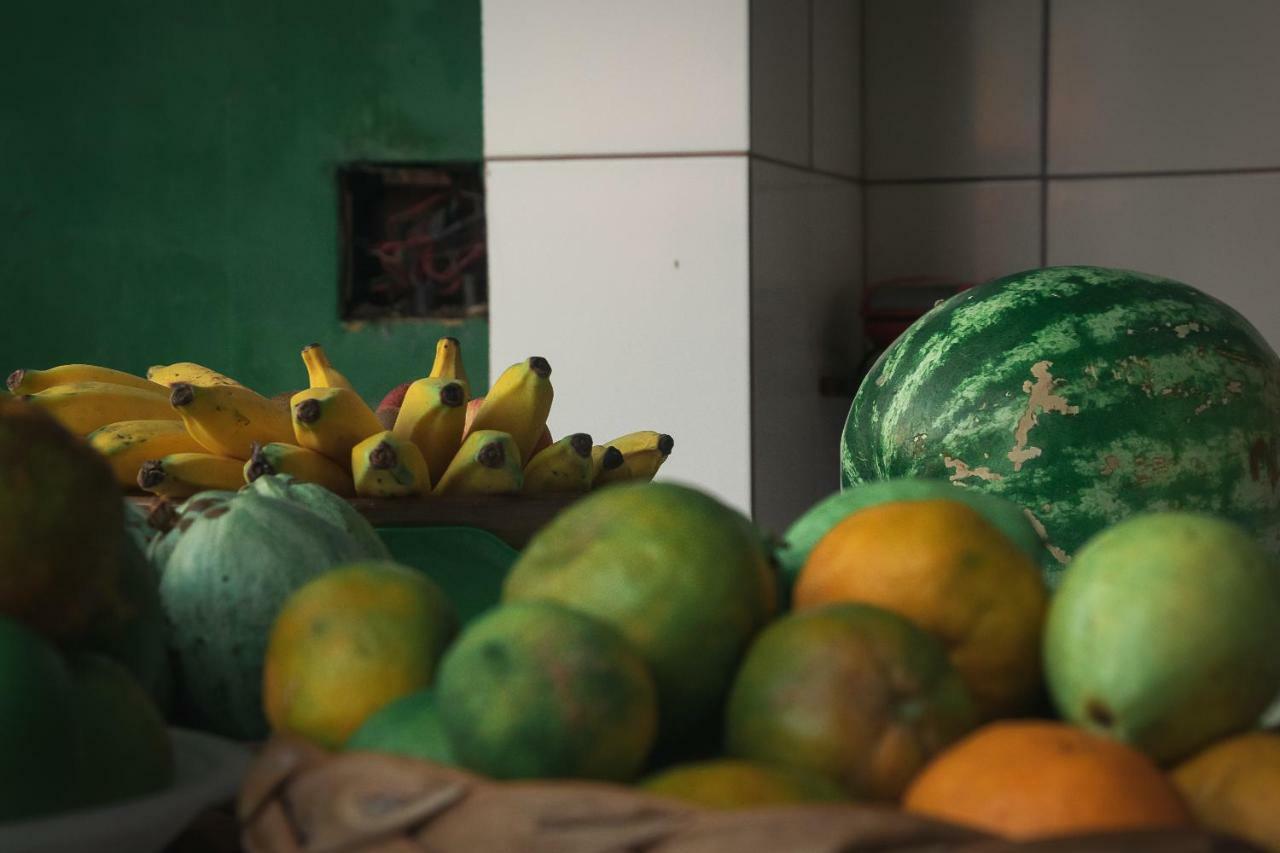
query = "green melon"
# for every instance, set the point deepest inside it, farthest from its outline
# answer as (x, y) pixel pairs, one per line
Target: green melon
(1083, 394)
(223, 585)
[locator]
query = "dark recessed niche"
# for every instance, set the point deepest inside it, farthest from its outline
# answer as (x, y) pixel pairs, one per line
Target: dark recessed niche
(413, 241)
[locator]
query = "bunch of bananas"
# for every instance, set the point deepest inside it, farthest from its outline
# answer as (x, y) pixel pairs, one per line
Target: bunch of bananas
(186, 428)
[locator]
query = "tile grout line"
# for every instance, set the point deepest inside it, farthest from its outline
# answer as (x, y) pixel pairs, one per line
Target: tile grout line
(630, 155)
(1045, 38)
(1079, 176)
(774, 161)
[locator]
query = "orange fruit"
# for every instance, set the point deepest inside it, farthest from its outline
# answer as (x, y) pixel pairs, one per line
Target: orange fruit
(1036, 779)
(727, 783)
(1232, 787)
(851, 692)
(350, 642)
(940, 564)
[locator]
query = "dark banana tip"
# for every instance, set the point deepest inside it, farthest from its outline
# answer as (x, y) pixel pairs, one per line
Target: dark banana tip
(453, 341)
(311, 345)
(492, 455)
(581, 444)
(452, 395)
(15, 379)
(666, 444)
(181, 394)
(259, 466)
(151, 474)
(384, 456)
(612, 458)
(540, 366)
(307, 412)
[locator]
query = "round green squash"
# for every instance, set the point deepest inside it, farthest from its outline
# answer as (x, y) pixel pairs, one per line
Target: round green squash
(228, 576)
(1083, 394)
(324, 503)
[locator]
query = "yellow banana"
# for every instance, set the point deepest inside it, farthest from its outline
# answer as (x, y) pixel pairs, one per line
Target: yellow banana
(187, 371)
(642, 455)
(181, 475)
(488, 463)
(127, 444)
(332, 421)
(300, 463)
(565, 466)
(320, 371)
(448, 363)
(604, 458)
(83, 407)
(33, 381)
(383, 466)
(431, 416)
(518, 404)
(229, 419)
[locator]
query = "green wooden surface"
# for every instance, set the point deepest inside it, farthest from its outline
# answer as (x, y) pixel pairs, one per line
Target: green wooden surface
(468, 564)
(169, 177)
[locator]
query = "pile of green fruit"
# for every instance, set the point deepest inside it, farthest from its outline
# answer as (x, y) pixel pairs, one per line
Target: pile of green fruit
(83, 669)
(1046, 602)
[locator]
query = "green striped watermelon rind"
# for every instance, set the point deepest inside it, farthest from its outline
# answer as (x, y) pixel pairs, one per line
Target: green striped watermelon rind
(1083, 394)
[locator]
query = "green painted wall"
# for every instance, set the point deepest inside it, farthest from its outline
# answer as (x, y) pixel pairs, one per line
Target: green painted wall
(167, 177)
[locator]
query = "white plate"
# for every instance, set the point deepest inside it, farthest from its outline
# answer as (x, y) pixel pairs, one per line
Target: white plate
(208, 772)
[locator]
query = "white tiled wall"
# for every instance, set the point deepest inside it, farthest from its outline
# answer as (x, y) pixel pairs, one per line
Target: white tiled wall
(805, 325)
(837, 80)
(952, 88)
(969, 230)
(575, 77)
(623, 141)
(781, 124)
(1149, 85)
(1218, 232)
(631, 277)
(1159, 149)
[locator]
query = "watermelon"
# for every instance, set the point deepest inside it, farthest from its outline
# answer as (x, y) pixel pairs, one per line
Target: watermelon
(1083, 394)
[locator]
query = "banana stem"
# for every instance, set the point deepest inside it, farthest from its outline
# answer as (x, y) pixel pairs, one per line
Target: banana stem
(452, 395)
(383, 457)
(492, 455)
(581, 444)
(181, 394)
(308, 411)
(259, 465)
(613, 458)
(151, 474)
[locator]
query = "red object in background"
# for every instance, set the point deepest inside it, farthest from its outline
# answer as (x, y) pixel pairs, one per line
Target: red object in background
(889, 307)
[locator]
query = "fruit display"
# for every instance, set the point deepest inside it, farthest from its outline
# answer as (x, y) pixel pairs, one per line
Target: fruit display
(1083, 395)
(639, 641)
(1033, 636)
(186, 429)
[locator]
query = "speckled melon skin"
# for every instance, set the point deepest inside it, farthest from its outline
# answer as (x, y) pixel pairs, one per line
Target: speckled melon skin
(1084, 394)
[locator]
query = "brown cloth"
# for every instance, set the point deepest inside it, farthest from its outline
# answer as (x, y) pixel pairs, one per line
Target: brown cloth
(298, 798)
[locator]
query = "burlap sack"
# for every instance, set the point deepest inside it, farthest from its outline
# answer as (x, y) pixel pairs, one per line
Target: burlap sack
(299, 798)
